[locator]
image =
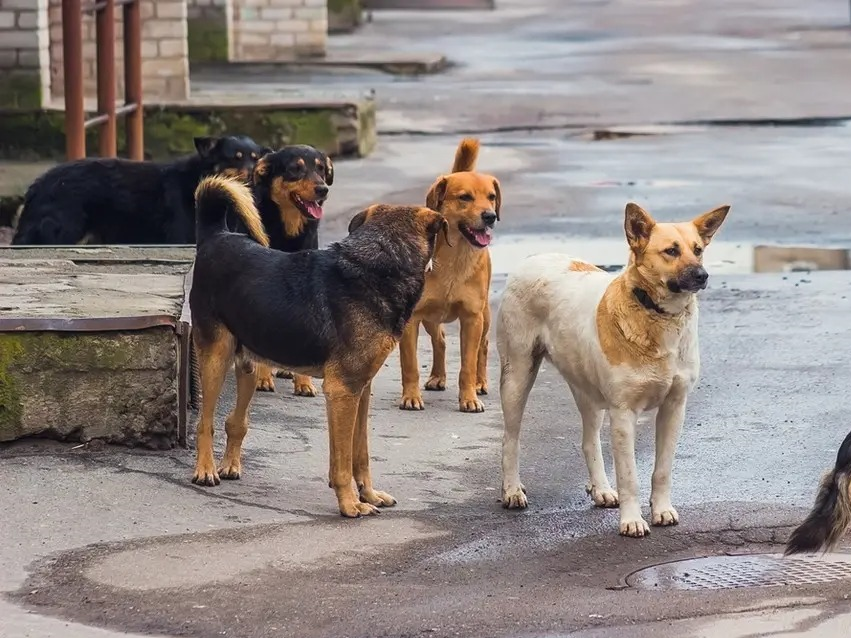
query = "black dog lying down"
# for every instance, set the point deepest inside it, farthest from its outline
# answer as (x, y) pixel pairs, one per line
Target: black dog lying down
(118, 201)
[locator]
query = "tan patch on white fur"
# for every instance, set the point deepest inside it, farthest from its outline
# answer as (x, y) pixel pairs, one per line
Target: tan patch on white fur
(577, 265)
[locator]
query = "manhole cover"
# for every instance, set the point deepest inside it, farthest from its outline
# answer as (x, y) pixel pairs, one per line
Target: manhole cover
(734, 572)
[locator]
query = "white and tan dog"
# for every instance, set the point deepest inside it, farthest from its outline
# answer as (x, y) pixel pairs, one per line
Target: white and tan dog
(624, 344)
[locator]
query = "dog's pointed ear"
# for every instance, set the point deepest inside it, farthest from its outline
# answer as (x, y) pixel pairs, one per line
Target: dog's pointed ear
(205, 145)
(358, 220)
(329, 171)
(638, 225)
(436, 194)
(498, 197)
(708, 224)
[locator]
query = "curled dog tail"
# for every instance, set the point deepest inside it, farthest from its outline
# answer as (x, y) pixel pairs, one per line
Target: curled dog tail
(831, 514)
(218, 195)
(466, 155)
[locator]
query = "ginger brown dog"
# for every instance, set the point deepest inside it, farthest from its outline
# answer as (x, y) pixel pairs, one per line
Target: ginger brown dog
(332, 313)
(458, 286)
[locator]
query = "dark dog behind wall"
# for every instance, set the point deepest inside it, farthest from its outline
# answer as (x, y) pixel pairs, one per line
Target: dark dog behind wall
(118, 201)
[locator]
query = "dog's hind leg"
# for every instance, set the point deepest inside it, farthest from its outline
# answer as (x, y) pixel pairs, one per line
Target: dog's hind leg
(598, 487)
(412, 398)
(669, 424)
(341, 404)
(623, 448)
(360, 467)
(437, 378)
(517, 376)
(482, 364)
(236, 424)
(215, 353)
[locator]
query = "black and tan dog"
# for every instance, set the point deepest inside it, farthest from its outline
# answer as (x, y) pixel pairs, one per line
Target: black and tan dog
(335, 313)
(290, 188)
(119, 201)
(830, 517)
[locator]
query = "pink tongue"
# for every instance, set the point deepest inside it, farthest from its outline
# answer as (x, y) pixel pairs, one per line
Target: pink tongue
(313, 209)
(483, 237)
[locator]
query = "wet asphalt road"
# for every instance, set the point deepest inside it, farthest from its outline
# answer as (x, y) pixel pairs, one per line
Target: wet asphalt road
(120, 539)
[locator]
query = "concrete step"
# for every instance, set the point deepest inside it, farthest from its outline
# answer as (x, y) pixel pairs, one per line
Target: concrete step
(92, 346)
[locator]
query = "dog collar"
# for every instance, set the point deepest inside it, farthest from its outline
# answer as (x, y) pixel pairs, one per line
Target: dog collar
(645, 300)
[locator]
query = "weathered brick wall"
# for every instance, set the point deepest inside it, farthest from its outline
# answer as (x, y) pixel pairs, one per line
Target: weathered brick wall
(208, 9)
(24, 80)
(165, 57)
(269, 30)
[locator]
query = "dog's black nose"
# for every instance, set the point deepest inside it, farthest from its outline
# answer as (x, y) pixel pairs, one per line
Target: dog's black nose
(489, 217)
(321, 190)
(700, 276)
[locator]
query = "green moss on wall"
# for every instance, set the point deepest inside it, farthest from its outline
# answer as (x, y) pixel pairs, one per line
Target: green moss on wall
(344, 16)
(11, 407)
(169, 130)
(20, 90)
(208, 40)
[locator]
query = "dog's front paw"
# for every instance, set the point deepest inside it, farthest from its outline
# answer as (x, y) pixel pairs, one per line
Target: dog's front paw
(481, 387)
(230, 469)
(602, 496)
(411, 400)
(634, 527)
(356, 509)
(284, 374)
(377, 498)
(436, 384)
(470, 404)
(514, 497)
(266, 382)
(304, 388)
(664, 515)
(205, 474)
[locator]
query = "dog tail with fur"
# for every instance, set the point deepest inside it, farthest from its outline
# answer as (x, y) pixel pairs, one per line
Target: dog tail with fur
(466, 155)
(831, 514)
(217, 196)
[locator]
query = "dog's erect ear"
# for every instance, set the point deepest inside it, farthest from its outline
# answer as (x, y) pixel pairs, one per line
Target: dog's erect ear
(358, 220)
(261, 168)
(637, 224)
(265, 151)
(436, 194)
(498, 197)
(329, 171)
(205, 145)
(708, 224)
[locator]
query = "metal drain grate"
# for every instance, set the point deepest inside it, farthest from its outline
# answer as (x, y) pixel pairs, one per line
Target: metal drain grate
(735, 572)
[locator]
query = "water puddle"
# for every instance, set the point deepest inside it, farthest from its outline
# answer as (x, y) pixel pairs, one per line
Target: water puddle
(721, 258)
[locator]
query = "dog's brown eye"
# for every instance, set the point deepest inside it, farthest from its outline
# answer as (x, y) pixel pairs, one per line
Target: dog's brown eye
(492, 197)
(465, 197)
(673, 251)
(698, 251)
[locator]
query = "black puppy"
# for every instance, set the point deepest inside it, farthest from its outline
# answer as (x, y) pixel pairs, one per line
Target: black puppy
(290, 188)
(118, 201)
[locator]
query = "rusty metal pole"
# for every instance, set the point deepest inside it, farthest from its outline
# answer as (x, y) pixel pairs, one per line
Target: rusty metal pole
(72, 55)
(105, 36)
(133, 80)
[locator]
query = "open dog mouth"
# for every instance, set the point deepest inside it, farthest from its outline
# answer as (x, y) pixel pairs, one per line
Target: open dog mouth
(309, 209)
(479, 237)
